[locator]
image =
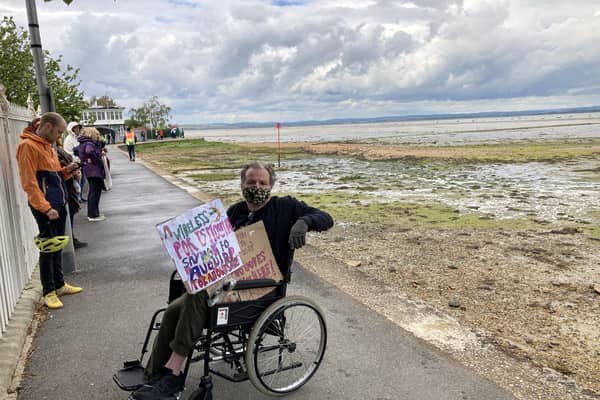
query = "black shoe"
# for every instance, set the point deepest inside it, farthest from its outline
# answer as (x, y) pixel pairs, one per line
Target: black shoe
(168, 387)
(78, 244)
(158, 375)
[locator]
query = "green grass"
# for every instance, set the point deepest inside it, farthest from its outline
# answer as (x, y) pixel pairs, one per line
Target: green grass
(199, 154)
(350, 178)
(214, 176)
(362, 209)
(215, 161)
(524, 152)
(593, 229)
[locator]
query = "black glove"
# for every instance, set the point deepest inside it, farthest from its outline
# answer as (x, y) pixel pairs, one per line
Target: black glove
(298, 234)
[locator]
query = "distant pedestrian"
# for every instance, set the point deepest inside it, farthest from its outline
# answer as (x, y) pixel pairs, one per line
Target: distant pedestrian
(130, 140)
(42, 179)
(90, 154)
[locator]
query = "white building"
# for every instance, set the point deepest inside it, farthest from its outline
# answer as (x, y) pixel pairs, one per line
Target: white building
(109, 117)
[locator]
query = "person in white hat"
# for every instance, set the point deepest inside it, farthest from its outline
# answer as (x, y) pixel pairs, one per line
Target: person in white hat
(74, 130)
(70, 145)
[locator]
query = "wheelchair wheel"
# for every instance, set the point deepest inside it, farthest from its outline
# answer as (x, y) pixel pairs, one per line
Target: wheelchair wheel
(286, 345)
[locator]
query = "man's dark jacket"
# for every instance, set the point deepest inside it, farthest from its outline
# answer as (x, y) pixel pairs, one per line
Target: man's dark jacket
(279, 215)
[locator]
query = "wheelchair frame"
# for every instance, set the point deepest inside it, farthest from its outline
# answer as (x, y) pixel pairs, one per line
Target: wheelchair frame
(247, 336)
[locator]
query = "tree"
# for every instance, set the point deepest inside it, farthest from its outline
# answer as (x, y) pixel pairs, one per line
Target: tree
(152, 112)
(16, 68)
(139, 114)
(68, 98)
(158, 113)
(18, 75)
(103, 101)
(131, 122)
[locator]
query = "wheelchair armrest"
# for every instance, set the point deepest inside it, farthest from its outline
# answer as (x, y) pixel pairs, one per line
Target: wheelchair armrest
(252, 284)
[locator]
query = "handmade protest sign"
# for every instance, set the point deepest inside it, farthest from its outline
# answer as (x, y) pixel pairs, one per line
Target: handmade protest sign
(202, 244)
(259, 263)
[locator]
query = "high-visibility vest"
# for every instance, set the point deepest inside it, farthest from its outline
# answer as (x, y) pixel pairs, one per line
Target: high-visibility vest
(129, 138)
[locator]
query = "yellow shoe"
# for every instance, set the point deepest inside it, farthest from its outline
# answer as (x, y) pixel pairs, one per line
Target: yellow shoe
(68, 289)
(52, 301)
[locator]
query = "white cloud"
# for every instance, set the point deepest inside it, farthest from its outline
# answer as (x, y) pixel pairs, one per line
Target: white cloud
(255, 60)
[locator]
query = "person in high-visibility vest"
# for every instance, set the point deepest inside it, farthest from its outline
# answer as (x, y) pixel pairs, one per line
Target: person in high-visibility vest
(130, 140)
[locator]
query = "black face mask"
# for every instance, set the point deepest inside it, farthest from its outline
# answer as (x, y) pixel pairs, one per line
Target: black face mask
(256, 195)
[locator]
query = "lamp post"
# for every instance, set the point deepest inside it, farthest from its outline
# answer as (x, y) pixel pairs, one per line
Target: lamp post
(44, 91)
(47, 104)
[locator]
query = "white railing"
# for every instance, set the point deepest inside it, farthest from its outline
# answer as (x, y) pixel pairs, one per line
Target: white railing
(18, 254)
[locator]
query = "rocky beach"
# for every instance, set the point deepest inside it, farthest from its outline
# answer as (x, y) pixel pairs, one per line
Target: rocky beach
(503, 239)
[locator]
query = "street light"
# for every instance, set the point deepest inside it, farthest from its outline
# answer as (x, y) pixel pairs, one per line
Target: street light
(44, 91)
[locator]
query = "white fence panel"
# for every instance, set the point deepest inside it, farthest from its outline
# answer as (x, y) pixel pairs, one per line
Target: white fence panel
(18, 254)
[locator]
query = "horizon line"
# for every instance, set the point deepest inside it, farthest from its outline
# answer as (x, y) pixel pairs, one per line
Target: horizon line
(394, 118)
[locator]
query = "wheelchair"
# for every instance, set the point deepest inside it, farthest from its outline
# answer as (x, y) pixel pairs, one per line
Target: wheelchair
(276, 342)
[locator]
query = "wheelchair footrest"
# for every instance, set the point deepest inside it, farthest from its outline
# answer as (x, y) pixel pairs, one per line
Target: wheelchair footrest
(131, 376)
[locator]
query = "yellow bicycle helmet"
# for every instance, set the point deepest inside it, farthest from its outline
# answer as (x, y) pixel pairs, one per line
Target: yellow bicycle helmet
(51, 245)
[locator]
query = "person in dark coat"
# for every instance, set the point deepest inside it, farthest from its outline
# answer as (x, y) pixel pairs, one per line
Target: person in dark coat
(73, 194)
(90, 154)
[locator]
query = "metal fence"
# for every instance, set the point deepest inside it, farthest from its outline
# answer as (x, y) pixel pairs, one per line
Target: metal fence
(18, 254)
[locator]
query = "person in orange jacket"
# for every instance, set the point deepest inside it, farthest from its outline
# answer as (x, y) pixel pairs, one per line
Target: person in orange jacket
(43, 180)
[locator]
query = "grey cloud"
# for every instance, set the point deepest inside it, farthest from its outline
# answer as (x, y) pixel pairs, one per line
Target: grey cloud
(243, 58)
(485, 61)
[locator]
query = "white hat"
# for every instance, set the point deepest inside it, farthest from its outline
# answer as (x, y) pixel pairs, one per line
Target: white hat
(72, 125)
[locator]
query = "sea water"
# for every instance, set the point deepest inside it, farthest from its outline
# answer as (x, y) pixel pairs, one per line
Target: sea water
(446, 131)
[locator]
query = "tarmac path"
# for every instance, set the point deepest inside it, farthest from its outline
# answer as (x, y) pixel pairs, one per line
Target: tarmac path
(125, 272)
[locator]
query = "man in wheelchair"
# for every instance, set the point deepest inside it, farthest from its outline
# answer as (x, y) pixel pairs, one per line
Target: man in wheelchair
(286, 221)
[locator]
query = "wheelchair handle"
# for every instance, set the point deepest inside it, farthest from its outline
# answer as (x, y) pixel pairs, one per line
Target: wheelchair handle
(251, 284)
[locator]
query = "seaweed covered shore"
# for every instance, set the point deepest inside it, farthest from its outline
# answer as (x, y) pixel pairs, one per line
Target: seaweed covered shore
(505, 237)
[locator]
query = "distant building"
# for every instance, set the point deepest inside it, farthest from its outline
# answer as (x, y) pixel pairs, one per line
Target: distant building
(109, 117)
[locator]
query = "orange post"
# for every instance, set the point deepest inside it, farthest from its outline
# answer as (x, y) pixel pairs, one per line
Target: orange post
(278, 146)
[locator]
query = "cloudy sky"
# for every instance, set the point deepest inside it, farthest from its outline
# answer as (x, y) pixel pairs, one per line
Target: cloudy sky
(288, 60)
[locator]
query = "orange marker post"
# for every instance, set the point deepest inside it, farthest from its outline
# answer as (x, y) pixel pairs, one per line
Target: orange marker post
(278, 146)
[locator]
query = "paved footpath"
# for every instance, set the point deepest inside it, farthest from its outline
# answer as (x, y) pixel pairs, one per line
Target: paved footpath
(125, 272)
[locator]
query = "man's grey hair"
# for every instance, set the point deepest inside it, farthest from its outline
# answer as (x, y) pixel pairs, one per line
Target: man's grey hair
(259, 165)
(53, 118)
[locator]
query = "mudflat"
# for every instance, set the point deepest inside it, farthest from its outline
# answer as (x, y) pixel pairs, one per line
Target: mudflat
(503, 238)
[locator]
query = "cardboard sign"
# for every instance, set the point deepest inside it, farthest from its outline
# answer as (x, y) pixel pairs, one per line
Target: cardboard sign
(258, 263)
(202, 244)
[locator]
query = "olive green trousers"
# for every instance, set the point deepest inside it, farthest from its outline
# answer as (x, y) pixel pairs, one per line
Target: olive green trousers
(180, 328)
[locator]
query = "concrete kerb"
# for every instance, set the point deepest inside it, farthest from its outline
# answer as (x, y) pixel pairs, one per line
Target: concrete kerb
(11, 343)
